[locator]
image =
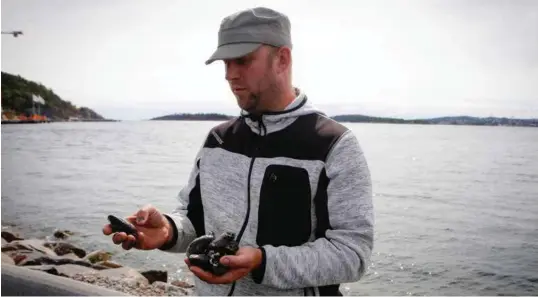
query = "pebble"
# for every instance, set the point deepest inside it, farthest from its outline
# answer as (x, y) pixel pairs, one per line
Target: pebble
(131, 288)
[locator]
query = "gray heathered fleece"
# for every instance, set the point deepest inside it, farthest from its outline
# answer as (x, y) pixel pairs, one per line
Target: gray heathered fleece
(340, 257)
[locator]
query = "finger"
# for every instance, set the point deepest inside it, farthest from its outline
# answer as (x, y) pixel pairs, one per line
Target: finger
(142, 240)
(131, 242)
(203, 275)
(226, 278)
(107, 230)
(142, 215)
(128, 243)
(119, 237)
(239, 261)
(133, 220)
(187, 262)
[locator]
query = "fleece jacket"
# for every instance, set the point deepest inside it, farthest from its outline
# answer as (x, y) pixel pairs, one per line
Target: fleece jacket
(295, 184)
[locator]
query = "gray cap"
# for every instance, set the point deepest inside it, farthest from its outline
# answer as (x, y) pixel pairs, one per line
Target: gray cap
(243, 32)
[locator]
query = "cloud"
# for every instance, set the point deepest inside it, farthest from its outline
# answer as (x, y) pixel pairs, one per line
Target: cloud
(383, 57)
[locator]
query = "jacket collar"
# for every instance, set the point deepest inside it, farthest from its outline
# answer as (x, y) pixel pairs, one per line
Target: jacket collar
(270, 122)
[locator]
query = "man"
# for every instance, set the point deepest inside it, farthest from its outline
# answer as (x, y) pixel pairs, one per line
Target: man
(292, 184)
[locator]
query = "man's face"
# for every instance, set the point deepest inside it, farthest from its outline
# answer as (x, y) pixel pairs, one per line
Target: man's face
(252, 79)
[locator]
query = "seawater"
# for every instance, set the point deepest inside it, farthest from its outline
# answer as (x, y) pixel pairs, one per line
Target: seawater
(456, 206)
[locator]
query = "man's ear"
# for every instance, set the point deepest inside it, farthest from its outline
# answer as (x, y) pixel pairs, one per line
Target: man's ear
(284, 59)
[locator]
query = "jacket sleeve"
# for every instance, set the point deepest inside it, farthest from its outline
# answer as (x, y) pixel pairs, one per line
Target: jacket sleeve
(187, 218)
(343, 255)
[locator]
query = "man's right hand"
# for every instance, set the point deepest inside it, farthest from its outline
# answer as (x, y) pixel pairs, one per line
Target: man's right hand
(153, 228)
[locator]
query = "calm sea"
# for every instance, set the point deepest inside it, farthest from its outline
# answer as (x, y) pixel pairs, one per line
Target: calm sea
(456, 206)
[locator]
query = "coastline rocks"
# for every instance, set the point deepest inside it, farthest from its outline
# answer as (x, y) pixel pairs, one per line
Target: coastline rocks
(108, 264)
(36, 259)
(155, 289)
(182, 284)
(28, 245)
(97, 256)
(127, 274)
(156, 275)
(67, 270)
(67, 260)
(9, 236)
(170, 289)
(62, 234)
(63, 248)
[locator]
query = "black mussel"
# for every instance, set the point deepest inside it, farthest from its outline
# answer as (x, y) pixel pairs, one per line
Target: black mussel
(216, 267)
(219, 269)
(120, 225)
(200, 260)
(225, 244)
(200, 244)
(207, 250)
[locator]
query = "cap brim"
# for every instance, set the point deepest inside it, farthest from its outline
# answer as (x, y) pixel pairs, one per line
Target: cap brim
(232, 51)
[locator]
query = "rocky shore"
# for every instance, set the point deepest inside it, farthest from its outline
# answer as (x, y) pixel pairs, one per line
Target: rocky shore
(61, 258)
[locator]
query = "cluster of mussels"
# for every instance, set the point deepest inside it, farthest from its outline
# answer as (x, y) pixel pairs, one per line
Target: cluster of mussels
(206, 251)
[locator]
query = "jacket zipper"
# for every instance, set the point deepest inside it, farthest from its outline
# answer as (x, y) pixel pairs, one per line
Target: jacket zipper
(245, 222)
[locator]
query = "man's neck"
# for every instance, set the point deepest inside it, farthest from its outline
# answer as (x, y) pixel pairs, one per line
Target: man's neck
(282, 100)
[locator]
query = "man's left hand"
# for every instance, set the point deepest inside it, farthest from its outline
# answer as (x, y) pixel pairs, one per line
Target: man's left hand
(241, 264)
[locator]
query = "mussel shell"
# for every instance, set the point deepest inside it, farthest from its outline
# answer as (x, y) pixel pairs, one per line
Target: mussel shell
(206, 251)
(201, 260)
(219, 269)
(120, 225)
(225, 244)
(200, 244)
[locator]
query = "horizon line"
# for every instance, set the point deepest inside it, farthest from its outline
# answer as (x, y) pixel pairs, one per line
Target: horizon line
(366, 115)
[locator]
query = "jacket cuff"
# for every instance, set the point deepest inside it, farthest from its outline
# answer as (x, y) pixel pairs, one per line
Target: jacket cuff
(172, 242)
(258, 273)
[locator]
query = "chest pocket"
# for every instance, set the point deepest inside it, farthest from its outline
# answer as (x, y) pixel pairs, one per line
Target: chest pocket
(284, 214)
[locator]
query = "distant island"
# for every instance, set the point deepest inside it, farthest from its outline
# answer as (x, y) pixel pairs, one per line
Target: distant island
(19, 104)
(455, 120)
(357, 118)
(194, 117)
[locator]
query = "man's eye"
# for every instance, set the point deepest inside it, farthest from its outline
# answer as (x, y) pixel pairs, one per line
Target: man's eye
(241, 61)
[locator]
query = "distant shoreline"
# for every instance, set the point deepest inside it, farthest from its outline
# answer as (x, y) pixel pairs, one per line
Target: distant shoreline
(20, 122)
(351, 118)
(357, 118)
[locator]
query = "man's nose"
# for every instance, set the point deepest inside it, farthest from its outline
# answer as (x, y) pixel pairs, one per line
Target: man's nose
(232, 71)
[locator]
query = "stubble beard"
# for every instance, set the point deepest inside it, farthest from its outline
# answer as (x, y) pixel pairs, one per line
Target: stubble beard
(254, 100)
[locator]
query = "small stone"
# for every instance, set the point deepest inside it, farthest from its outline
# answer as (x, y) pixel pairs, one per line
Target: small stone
(10, 236)
(60, 234)
(63, 248)
(125, 273)
(170, 289)
(70, 270)
(155, 275)
(97, 256)
(182, 284)
(51, 269)
(40, 259)
(71, 256)
(19, 258)
(108, 264)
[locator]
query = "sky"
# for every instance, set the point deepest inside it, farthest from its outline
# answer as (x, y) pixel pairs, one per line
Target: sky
(134, 59)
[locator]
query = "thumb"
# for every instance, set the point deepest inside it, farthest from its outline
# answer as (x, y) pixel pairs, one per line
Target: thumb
(142, 216)
(238, 261)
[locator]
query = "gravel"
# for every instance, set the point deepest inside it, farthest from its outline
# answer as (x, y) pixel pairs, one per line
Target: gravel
(132, 287)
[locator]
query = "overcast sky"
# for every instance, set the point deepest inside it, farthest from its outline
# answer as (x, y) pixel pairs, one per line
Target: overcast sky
(134, 59)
